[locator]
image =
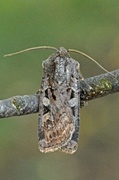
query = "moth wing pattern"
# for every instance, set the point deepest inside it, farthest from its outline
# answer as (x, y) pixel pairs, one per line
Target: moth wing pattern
(72, 144)
(58, 122)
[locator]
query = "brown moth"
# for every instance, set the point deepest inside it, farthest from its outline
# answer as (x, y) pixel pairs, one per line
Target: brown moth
(58, 122)
(59, 104)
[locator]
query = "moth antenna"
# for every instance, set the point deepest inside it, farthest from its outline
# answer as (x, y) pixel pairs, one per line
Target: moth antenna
(30, 49)
(87, 56)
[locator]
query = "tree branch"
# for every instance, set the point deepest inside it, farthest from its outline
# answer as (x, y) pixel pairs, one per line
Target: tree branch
(102, 85)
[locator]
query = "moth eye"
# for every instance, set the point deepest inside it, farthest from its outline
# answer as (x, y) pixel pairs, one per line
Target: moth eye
(78, 66)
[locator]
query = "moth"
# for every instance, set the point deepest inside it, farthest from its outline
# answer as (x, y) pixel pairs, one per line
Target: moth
(59, 104)
(58, 122)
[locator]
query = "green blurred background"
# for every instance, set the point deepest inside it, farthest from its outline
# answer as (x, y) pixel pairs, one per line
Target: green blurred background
(88, 25)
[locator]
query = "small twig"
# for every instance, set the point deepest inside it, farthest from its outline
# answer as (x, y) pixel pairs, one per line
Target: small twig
(19, 105)
(102, 85)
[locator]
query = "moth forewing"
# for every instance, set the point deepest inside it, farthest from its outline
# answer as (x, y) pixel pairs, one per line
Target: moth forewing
(58, 123)
(74, 104)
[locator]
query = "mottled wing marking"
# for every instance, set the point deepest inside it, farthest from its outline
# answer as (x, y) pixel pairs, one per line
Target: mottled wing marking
(58, 124)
